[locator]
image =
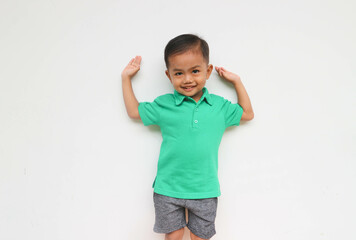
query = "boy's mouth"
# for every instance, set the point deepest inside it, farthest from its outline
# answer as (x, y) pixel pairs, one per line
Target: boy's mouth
(188, 88)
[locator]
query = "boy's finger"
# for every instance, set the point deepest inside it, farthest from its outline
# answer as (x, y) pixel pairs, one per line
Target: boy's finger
(220, 71)
(138, 60)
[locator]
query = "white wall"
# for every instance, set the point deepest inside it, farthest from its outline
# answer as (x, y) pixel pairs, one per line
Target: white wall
(74, 166)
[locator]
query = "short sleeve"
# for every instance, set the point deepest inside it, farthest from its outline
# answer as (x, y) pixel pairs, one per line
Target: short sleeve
(149, 112)
(232, 112)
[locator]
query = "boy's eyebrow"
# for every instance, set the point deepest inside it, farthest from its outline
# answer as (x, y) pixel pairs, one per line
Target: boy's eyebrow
(176, 69)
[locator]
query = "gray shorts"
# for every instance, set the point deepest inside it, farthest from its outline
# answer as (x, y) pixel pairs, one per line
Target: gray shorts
(170, 215)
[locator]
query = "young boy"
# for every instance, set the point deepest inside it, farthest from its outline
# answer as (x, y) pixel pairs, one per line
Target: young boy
(192, 123)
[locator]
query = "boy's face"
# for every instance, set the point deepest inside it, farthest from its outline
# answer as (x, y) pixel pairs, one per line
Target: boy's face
(188, 73)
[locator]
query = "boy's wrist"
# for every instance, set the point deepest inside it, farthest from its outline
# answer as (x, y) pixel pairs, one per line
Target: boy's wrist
(237, 82)
(125, 77)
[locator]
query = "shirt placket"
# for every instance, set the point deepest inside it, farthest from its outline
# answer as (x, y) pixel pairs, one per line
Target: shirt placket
(196, 116)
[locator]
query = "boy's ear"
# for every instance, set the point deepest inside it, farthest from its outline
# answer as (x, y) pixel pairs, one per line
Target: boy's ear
(209, 70)
(167, 73)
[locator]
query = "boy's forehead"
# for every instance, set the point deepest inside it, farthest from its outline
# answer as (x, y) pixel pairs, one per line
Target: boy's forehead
(186, 60)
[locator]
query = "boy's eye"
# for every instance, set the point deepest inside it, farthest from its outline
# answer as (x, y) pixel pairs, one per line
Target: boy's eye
(177, 73)
(195, 71)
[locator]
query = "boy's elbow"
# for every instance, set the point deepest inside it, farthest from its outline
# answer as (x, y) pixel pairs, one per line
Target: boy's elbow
(252, 115)
(247, 116)
(135, 115)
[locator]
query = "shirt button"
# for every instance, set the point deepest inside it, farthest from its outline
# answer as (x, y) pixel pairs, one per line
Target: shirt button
(196, 109)
(195, 121)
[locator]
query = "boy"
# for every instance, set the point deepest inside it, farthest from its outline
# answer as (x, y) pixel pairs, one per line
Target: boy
(192, 123)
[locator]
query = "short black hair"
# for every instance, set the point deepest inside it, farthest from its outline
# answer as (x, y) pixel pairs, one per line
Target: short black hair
(184, 43)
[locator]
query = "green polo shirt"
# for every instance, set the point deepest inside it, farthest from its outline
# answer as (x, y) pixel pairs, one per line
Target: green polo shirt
(191, 131)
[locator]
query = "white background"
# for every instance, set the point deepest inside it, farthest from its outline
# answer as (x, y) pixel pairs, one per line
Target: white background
(74, 166)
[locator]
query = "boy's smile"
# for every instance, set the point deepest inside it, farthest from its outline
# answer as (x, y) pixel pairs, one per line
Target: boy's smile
(188, 73)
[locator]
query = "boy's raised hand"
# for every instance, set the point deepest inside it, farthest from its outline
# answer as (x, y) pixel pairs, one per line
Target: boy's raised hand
(229, 76)
(132, 68)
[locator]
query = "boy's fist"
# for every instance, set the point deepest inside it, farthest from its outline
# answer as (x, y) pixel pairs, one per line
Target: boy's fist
(132, 68)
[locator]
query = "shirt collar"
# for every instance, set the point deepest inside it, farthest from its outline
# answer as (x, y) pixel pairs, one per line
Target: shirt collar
(180, 97)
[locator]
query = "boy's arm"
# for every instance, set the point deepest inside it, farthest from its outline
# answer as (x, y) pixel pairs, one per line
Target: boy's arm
(244, 101)
(243, 98)
(130, 100)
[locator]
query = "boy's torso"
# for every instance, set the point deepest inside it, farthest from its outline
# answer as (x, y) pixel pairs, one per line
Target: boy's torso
(191, 132)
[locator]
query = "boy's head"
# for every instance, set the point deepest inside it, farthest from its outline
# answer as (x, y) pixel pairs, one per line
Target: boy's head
(184, 43)
(187, 62)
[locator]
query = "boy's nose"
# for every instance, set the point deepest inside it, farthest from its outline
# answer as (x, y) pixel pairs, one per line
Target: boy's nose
(187, 79)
